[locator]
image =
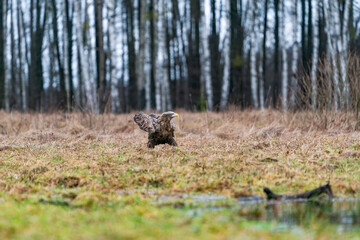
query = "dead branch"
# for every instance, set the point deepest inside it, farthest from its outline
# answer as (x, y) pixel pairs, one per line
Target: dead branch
(325, 189)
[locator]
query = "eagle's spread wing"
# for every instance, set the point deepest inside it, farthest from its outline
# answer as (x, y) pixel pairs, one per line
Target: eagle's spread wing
(146, 122)
(155, 116)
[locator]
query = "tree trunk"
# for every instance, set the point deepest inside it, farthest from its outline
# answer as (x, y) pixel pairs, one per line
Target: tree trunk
(262, 65)
(284, 78)
(8, 51)
(90, 91)
(2, 50)
(115, 104)
(66, 58)
(335, 9)
(295, 55)
(14, 84)
(315, 55)
(69, 13)
(21, 47)
(159, 56)
(63, 98)
(100, 55)
(331, 51)
(205, 56)
(7, 62)
(51, 94)
(253, 52)
(147, 71)
(162, 81)
(226, 75)
(275, 84)
(344, 53)
(37, 28)
(130, 31)
(140, 60)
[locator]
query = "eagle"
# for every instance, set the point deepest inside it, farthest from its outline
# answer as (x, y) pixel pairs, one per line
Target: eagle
(159, 127)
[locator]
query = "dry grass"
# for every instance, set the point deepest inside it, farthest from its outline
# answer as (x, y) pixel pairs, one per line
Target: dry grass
(87, 157)
(78, 176)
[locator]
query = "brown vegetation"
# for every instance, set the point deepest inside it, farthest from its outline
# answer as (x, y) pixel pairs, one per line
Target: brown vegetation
(100, 156)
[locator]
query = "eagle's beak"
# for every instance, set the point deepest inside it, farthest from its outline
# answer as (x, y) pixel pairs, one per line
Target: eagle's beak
(176, 115)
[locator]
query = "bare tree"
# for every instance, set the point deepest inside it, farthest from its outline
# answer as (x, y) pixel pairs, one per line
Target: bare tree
(253, 52)
(37, 29)
(111, 7)
(21, 57)
(295, 49)
(284, 78)
(66, 56)
(331, 51)
(226, 56)
(100, 54)
(315, 54)
(140, 60)
(3, 35)
(68, 24)
(55, 24)
(162, 82)
(205, 56)
(261, 50)
(85, 72)
(9, 49)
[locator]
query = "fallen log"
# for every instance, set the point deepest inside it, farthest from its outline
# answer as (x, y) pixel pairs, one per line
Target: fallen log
(325, 189)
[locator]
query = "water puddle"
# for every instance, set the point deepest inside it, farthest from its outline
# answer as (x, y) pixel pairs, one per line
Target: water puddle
(344, 213)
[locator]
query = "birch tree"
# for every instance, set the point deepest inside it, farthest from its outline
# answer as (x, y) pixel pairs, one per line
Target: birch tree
(331, 51)
(166, 103)
(68, 23)
(343, 55)
(14, 85)
(37, 29)
(226, 55)
(162, 84)
(21, 50)
(111, 7)
(66, 57)
(284, 78)
(2, 50)
(147, 70)
(315, 54)
(100, 54)
(140, 60)
(59, 57)
(340, 36)
(7, 55)
(89, 89)
(262, 60)
(159, 56)
(205, 55)
(295, 54)
(253, 48)
(335, 11)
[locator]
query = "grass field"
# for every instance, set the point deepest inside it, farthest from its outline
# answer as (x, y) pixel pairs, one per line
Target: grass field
(82, 176)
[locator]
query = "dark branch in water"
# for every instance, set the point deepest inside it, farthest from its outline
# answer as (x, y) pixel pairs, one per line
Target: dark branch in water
(325, 189)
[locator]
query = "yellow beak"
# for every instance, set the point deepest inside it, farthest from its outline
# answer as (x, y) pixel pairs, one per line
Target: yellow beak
(176, 115)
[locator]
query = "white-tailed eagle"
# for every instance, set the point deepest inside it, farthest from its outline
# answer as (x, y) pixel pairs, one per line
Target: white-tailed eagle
(159, 127)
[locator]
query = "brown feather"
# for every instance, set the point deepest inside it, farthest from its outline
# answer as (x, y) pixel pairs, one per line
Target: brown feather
(145, 122)
(160, 128)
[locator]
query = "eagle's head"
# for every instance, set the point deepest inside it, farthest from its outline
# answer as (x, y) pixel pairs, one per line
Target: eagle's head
(170, 115)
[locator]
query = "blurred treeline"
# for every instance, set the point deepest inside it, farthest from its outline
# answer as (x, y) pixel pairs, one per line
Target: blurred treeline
(123, 55)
